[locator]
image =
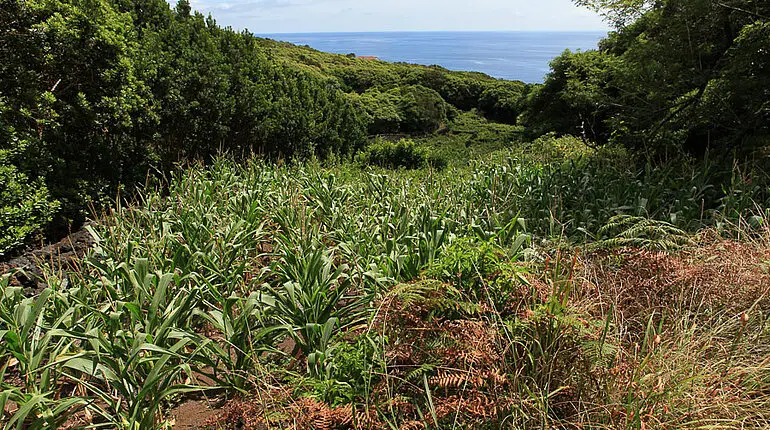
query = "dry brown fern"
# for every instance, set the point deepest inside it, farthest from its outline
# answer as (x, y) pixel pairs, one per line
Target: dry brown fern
(412, 425)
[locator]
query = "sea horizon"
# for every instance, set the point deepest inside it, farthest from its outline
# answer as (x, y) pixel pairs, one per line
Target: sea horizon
(503, 54)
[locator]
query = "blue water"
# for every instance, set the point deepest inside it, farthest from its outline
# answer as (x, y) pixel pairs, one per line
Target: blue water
(521, 56)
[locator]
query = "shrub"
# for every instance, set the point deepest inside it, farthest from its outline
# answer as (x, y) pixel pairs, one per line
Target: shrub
(383, 111)
(503, 101)
(422, 109)
(405, 153)
(25, 207)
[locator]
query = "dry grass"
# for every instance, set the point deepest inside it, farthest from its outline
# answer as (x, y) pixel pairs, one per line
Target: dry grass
(692, 331)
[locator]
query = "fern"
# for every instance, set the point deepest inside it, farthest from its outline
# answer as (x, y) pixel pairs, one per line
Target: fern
(413, 293)
(640, 232)
(599, 353)
(424, 370)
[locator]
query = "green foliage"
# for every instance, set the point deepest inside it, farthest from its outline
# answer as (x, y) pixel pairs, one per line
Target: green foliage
(95, 94)
(25, 207)
(405, 153)
(574, 99)
(470, 136)
(739, 95)
(548, 335)
(503, 102)
(677, 76)
(353, 369)
(39, 357)
(306, 304)
(245, 338)
(499, 100)
(466, 259)
(549, 148)
(422, 109)
(617, 12)
(481, 271)
(212, 273)
(383, 110)
(575, 196)
(205, 284)
(72, 94)
(140, 346)
(640, 232)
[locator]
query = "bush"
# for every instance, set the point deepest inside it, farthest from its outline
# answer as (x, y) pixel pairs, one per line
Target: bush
(107, 91)
(574, 98)
(405, 153)
(480, 271)
(503, 101)
(383, 111)
(470, 136)
(25, 207)
(422, 109)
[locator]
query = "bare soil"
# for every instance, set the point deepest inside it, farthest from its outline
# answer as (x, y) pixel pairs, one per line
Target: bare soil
(192, 414)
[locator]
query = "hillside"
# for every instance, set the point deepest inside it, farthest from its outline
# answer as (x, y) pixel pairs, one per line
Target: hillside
(252, 296)
(94, 96)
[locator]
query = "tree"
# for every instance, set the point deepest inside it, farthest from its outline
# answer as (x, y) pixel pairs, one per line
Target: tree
(183, 9)
(382, 110)
(619, 13)
(672, 80)
(421, 109)
(94, 94)
(576, 99)
(502, 101)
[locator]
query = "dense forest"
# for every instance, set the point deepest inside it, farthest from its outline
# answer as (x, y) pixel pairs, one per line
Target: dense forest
(279, 237)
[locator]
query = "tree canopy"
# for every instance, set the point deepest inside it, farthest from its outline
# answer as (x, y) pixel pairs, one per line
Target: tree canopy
(94, 94)
(676, 75)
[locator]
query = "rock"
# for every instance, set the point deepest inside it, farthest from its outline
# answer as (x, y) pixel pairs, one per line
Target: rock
(61, 256)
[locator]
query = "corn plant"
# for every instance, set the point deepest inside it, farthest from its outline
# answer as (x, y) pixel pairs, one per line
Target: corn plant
(136, 352)
(207, 276)
(311, 303)
(31, 350)
(240, 321)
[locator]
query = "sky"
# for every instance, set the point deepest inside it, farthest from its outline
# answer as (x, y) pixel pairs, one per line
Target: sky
(303, 16)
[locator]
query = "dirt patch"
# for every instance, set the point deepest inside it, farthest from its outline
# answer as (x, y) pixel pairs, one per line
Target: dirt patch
(192, 414)
(64, 255)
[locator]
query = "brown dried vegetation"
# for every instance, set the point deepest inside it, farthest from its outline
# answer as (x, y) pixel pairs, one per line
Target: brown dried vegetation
(682, 333)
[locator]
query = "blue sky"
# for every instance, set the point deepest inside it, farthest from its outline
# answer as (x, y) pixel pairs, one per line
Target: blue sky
(296, 16)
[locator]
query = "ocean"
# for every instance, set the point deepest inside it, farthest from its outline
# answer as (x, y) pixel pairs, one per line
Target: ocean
(523, 56)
